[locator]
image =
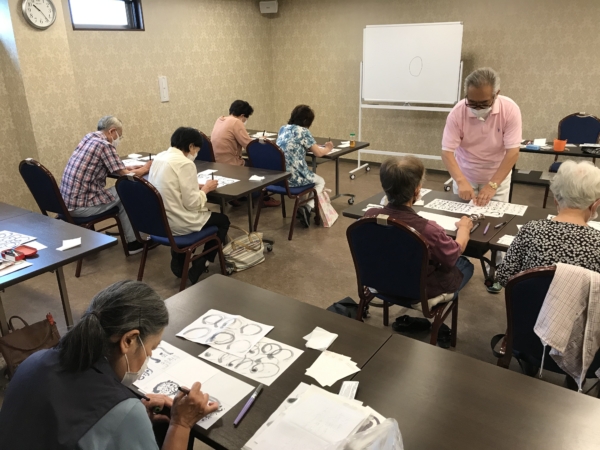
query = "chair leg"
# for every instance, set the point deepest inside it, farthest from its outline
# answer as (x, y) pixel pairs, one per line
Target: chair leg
(296, 204)
(78, 269)
(143, 262)
(186, 268)
(435, 328)
(454, 331)
(122, 236)
(222, 259)
(386, 314)
(361, 307)
(546, 195)
(283, 205)
(258, 209)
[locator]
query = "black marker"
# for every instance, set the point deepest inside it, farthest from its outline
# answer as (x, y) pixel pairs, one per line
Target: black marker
(500, 224)
(475, 227)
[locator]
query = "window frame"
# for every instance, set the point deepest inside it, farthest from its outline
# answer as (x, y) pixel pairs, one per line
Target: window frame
(135, 17)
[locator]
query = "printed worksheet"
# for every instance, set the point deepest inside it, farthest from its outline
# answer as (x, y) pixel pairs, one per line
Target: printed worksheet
(203, 178)
(493, 208)
(11, 239)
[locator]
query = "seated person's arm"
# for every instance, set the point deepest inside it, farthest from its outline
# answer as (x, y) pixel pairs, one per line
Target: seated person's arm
(139, 171)
(443, 249)
(317, 150)
(241, 134)
(192, 196)
(463, 232)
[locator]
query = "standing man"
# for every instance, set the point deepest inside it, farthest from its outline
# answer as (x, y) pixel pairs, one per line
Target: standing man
(84, 180)
(481, 140)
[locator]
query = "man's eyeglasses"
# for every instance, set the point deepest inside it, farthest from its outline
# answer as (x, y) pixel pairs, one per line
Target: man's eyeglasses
(480, 105)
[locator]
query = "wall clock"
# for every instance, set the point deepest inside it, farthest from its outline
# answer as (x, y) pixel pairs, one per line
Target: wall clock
(40, 14)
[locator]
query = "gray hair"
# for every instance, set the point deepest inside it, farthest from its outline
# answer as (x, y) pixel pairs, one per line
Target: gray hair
(486, 76)
(400, 178)
(113, 312)
(108, 122)
(576, 185)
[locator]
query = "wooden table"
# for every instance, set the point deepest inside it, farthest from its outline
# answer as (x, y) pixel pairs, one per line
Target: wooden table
(292, 320)
(327, 158)
(50, 232)
(444, 400)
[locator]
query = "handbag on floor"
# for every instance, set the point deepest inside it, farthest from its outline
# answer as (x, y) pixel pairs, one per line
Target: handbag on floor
(328, 213)
(19, 343)
(244, 252)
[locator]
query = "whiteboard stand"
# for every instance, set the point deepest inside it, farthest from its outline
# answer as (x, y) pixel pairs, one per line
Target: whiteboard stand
(405, 107)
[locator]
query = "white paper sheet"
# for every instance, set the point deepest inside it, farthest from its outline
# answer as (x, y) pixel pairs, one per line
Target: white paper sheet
(134, 155)
(132, 162)
(226, 332)
(145, 158)
(547, 175)
(207, 172)
(223, 181)
(519, 227)
(570, 145)
(320, 339)
(371, 205)
(37, 245)
(524, 172)
(331, 367)
(170, 368)
(384, 200)
(539, 142)
(13, 268)
(264, 362)
(260, 134)
(419, 203)
(256, 178)
(446, 222)
(334, 150)
(69, 244)
(11, 239)
(506, 239)
(493, 208)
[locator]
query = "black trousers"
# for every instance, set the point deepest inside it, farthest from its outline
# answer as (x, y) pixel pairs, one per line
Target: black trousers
(219, 220)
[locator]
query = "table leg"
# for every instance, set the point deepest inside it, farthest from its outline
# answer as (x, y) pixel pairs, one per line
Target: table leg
(250, 224)
(492, 272)
(314, 163)
(64, 296)
(337, 184)
(3, 321)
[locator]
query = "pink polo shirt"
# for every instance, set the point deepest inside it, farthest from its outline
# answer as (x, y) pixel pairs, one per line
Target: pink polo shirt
(480, 146)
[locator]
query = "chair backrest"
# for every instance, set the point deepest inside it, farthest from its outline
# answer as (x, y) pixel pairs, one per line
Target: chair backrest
(43, 187)
(206, 152)
(264, 154)
(144, 207)
(389, 256)
(579, 128)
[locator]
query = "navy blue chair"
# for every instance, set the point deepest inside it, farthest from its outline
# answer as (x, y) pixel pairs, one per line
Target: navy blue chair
(206, 152)
(577, 128)
(391, 261)
(43, 187)
(524, 296)
(264, 154)
(146, 211)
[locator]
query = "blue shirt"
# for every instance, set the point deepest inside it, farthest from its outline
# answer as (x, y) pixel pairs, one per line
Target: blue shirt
(295, 141)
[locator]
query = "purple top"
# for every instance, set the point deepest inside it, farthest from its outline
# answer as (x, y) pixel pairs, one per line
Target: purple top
(443, 276)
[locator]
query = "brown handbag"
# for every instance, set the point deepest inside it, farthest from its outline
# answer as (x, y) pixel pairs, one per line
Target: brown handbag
(19, 343)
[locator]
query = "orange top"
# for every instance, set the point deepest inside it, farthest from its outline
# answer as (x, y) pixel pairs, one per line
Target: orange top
(228, 137)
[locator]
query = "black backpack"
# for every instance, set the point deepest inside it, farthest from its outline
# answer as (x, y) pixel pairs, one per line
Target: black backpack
(347, 307)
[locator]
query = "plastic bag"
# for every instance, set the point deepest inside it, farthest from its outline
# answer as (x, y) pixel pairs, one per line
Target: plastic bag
(385, 436)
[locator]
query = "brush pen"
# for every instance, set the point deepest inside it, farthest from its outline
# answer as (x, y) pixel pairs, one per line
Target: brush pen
(212, 175)
(500, 224)
(156, 409)
(487, 227)
(186, 391)
(475, 227)
(264, 133)
(247, 406)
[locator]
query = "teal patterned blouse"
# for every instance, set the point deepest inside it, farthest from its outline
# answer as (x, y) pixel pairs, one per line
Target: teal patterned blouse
(295, 141)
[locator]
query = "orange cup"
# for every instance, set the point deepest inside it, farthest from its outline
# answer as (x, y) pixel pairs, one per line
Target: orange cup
(559, 146)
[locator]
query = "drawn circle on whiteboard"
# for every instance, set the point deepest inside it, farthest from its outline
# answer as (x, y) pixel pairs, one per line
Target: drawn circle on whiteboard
(233, 322)
(213, 319)
(196, 333)
(224, 338)
(239, 346)
(247, 329)
(415, 67)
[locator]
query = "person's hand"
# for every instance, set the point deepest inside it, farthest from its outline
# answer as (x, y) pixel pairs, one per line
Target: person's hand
(464, 222)
(189, 409)
(210, 186)
(131, 168)
(485, 195)
(329, 145)
(465, 190)
(158, 403)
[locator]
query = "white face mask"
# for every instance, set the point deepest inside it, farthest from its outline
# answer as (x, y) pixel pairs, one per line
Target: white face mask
(191, 156)
(116, 141)
(131, 377)
(481, 114)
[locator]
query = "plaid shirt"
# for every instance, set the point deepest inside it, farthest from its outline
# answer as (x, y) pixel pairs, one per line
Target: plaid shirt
(84, 179)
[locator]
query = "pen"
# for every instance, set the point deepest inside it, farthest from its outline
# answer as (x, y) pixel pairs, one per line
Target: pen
(156, 409)
(475, 227)
(186, 391)
(247, 406)
(500, 224)
(212, 175)
(264, 133)
(487, 227)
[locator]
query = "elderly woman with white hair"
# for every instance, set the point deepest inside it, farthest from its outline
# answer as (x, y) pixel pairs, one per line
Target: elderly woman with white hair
(567, 238)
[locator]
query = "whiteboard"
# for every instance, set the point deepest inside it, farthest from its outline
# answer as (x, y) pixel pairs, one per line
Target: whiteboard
(414, 63)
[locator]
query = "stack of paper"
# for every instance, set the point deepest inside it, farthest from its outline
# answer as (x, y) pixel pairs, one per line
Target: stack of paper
(134, 156)
(371, 205)
(132, 162)
(256, 178)
(320, 339)
(344, 144)
(69, 243)
(446, 222)
(312, 419)
(331, 367)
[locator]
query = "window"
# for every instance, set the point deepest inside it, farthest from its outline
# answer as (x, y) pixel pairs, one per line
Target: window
(106, 14)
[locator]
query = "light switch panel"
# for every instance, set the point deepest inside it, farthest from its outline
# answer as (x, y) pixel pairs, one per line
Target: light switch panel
(164, 89)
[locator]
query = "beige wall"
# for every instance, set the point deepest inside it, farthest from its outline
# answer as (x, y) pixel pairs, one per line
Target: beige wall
(545, 51)
(57, 83)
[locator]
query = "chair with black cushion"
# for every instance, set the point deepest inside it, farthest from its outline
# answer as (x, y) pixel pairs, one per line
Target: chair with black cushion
(44, 189)
(577, 128)
(264, 154)
(146, 211)
(391, 261)
(524, 296)
(206, 152)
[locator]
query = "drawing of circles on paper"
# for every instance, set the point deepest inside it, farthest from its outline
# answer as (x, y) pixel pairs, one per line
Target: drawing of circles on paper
(251, 329)
(264, 370)
(196, 333)
(225, 357)
(239, 346)
(221, 338)
(166, 388)
(213, 319)
(244, 364)
(232, 323)
(255, 350)
(415, 67)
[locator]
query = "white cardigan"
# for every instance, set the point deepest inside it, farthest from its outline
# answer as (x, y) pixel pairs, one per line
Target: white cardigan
(175, 177)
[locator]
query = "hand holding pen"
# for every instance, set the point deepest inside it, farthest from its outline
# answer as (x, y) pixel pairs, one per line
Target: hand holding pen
(191, 405)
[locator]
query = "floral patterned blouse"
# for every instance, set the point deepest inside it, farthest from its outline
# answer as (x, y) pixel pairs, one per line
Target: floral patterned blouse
(295, 141)
(547, 242)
